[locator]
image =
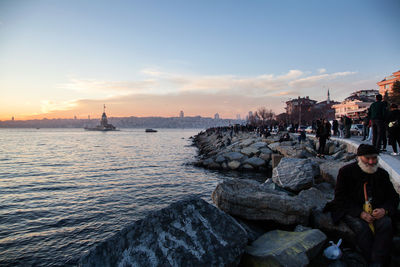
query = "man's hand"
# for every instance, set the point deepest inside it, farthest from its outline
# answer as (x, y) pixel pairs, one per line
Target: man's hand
(378, 213)
(367, 217)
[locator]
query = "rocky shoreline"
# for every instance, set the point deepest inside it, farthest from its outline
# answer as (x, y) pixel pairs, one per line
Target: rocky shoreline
(276, 222)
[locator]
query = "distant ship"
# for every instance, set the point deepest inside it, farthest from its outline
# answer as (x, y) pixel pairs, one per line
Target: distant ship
(150, 131)
(104, 125)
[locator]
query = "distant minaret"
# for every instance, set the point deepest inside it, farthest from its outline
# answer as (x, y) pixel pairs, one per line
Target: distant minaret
(329, 98)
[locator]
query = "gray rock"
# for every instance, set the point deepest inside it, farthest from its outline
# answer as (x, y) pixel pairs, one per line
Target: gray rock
(265, 157)
(233, 156)
(338, 155)
(208, 161)
(330, 169)
(281, 248)
(249, 200)
(295, 174)
(313, 198)
(286, 143)
(247, 167)
(266, 150)
(273, 146)
(214, 166)
(272, 139)
(233, 165)
(247, 142)
(187, 233)
(249, 151)
(224, 166)
(293, 151)
(220, 159)
(259, 145)
(255, 162)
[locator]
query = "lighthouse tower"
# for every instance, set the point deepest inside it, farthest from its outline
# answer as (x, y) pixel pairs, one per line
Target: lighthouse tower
(104, 121)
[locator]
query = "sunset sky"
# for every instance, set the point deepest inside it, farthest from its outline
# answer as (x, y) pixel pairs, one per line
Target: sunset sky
(154, 58)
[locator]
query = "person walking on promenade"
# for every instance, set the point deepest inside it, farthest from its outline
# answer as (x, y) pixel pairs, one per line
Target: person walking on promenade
(323, 133)
(341, 127)
(360, 182)
(347, 126)
(335, 128)
(365, 123)
(377, 115)
(394, 128)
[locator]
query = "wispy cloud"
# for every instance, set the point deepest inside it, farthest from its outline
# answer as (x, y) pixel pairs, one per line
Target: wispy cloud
(112, 87)
(165, 93)
(48, 106)
(317, 80)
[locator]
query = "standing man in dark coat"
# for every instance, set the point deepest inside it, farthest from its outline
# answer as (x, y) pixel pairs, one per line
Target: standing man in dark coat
(347, 126)
(356, 182)
(377, 115)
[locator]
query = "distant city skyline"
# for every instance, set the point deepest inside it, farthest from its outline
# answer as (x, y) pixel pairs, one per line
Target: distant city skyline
(60, 59)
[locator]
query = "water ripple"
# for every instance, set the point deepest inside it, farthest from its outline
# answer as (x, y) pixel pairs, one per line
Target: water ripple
(64, 190)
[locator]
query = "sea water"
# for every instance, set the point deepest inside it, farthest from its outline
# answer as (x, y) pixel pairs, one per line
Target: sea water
(64, 190)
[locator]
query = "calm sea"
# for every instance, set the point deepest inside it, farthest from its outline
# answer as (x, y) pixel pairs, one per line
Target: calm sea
(63, 190)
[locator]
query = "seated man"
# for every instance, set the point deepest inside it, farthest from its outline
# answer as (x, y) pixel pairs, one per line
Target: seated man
(357, 183)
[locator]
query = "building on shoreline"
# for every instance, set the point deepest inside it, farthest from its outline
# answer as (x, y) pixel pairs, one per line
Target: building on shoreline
(356, 104)
(386, 84)
(307, 110)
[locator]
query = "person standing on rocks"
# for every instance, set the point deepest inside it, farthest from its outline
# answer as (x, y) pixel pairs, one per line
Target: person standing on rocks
(377, 115)
(356, 184)
(323, 133)
(335, 128)
(394, 128)
(347, 126)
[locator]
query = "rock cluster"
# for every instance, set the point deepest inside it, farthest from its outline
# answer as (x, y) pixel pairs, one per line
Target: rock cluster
(187, 233)
(246, 151)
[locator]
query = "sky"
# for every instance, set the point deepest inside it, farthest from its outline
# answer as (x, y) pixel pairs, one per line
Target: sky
(60, 59)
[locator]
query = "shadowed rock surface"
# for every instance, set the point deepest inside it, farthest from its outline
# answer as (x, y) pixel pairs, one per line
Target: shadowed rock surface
(251, 200)
(187, 233)
(282, 248)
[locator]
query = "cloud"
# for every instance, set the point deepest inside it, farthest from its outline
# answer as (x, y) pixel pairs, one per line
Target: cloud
(322, 70)
(314, 80)
(48, 106)
(159, 93)
(112, 87)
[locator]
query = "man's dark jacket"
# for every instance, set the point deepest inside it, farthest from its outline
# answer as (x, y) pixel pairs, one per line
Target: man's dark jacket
(377, 111)
(349, 192)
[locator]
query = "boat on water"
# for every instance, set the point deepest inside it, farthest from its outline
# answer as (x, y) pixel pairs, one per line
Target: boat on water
(150, 131)
(104, 125)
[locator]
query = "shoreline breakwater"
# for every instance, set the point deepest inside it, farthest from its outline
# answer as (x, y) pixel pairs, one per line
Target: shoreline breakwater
(276, 222)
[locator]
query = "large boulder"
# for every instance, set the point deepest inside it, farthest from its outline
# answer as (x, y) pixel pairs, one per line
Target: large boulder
(295, 174)
(255, 162)
(293, 151)
(249, 151)
(233, 156)
(233, 165)
(259, 145)
(187, 233)
(282, 248)
(252, 201)
(329, 170)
